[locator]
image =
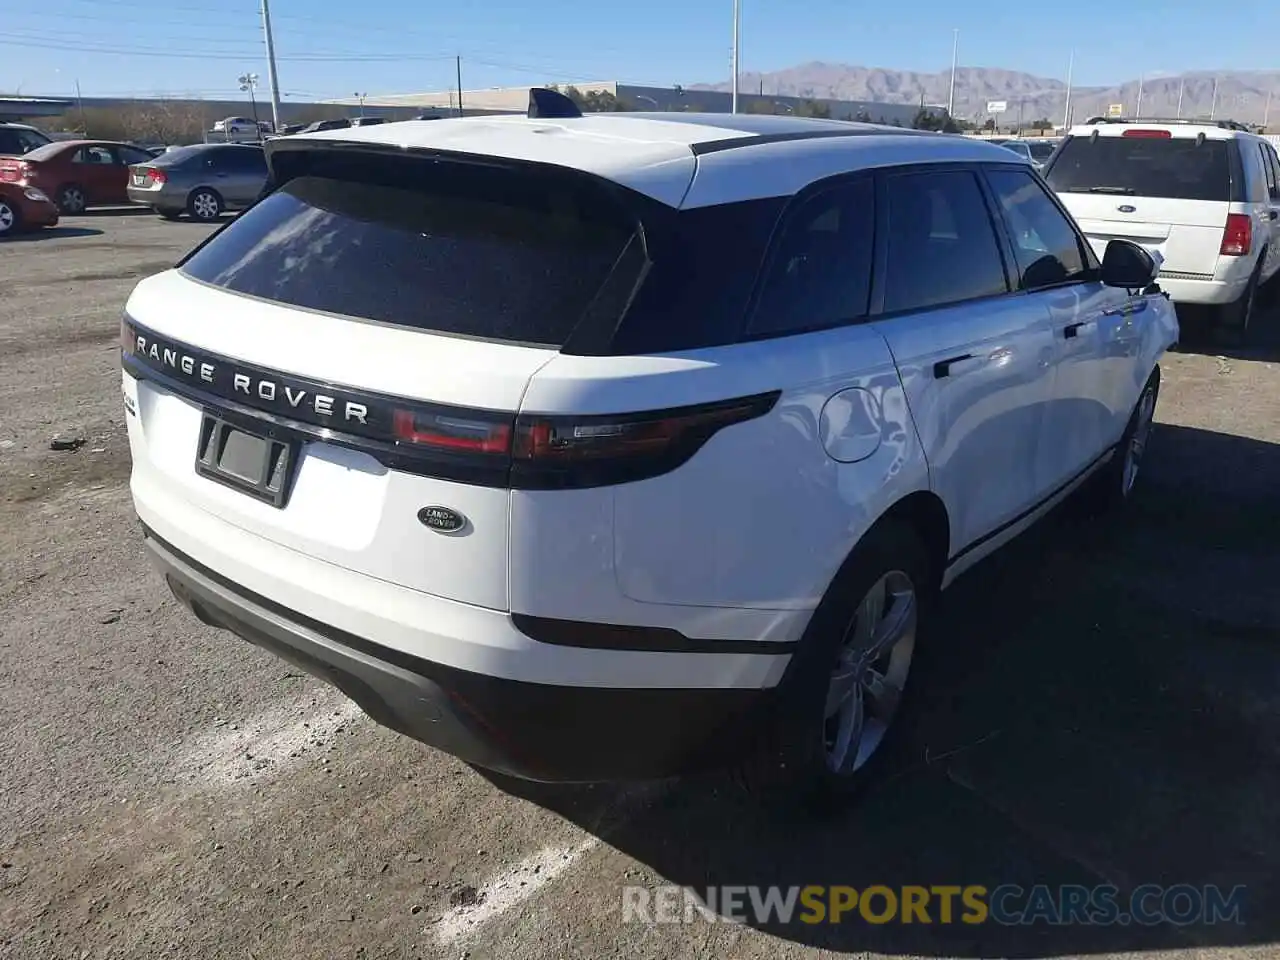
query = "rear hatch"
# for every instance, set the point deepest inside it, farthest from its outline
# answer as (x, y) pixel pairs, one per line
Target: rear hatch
(339, 370)
(1168, 191)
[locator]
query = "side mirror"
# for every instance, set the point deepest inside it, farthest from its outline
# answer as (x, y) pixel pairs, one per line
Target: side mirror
(1125, 264)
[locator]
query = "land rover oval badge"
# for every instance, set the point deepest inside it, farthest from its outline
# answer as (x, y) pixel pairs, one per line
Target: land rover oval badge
(1127, 208)
(442, 519)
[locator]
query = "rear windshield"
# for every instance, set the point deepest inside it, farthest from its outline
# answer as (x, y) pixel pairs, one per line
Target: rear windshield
(171, 158)
(1179, 168)
(460, 249)
(47, 151)
(1042, 151)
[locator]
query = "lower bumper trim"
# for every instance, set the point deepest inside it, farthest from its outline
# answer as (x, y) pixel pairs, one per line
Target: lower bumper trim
(534, 731)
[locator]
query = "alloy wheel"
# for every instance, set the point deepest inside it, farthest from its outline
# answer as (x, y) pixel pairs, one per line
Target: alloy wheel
(867, 683)
(205, 206)
(1138, 442)
(7, 218)
(72, 200)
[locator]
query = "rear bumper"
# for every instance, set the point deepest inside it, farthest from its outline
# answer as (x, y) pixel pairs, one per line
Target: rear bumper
(536, 731)
(163, 199)
(1204, 292)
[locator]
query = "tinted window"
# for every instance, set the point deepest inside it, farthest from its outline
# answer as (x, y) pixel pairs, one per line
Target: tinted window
(820, 271)
(95, 155)
(1044, 243)
(132, 155)
(476, 251)
(1268, 171)
(704, 263)
(1041, 151)
(241, 159)
(942, 247)
(17, 140)
(1178, 168)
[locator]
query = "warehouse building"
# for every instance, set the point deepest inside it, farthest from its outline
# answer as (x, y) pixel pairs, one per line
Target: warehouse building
(500, 100)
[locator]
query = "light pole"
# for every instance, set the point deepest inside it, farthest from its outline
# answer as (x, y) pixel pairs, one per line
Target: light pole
(247, 82)
(955, 52)
(1213, 104)
(1066, 113)
(1139, 109)
(737, 16)
(360, 97)
(1182, 84)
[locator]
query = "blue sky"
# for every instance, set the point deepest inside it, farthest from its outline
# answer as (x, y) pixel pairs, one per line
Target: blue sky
(329, 48)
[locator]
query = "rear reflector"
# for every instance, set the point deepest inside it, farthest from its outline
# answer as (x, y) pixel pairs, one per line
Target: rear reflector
(1237, 238)
(1151, 134)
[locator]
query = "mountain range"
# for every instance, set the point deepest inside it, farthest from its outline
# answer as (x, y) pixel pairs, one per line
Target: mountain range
(1241, 95)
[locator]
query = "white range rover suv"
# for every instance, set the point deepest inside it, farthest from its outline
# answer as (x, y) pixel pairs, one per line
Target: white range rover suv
(1204, 195)
(615, 446)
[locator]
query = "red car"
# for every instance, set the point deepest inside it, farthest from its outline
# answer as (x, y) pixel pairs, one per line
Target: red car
(77, 174)
(24, 208)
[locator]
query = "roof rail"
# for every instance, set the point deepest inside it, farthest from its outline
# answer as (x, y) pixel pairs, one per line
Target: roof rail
(1185, 121)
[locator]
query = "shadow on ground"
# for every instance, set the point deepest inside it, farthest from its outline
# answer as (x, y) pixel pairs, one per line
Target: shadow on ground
(1201, 333)
(1108, 718)
(52, 233)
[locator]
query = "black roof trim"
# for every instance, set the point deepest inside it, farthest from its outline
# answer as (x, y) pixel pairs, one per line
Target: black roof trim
(759, 140)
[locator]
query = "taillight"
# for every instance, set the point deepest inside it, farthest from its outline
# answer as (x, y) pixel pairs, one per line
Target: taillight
(559, 452)
(1151, 134)
(127, 341)
(157, 176)
(460, 432)
(563, 452)
(1237, 238)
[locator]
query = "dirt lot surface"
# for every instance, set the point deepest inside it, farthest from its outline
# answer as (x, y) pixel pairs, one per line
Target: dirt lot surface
(1110, 716)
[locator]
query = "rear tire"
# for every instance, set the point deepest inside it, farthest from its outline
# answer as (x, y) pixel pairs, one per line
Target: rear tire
(847, 700)
(10, 219)
(1234, 319)
(204, 205)
(72, 200)
(1112, 486)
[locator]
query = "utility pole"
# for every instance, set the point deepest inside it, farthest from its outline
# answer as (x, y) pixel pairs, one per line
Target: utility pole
(360, 97)
(1066, 114)
(955, 52)
(1182, 83)
(1213, 104)
(1139, 110)
(737, 13)
(1266, 111)
(457, 64)
(271, 67)
(84, 128)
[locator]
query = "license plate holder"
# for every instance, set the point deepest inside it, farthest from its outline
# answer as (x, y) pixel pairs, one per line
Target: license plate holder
(248, 460)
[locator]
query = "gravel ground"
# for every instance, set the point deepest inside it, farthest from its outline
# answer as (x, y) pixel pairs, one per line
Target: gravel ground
(1109, 716)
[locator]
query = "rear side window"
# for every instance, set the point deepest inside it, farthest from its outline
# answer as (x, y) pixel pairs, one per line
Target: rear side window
(942, 246)
(458, 249)
(820, 272)
(1178, 168)
(240, 160)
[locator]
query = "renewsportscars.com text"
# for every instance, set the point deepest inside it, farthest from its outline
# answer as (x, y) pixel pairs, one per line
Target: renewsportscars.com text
(1007, 904)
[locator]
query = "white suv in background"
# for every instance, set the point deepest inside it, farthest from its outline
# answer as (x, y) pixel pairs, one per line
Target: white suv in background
(612, 446)
(1204, 195)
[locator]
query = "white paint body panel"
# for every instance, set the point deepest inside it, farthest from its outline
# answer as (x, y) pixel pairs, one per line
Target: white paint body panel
(739, 543)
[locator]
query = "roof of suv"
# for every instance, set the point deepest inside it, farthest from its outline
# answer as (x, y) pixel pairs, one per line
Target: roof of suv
(1210, 129)
(658, 153)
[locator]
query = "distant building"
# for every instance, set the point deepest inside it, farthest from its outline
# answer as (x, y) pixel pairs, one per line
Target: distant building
(500, 100)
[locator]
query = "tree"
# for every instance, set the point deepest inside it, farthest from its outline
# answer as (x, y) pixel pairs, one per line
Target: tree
(1044, 123)
(762, 106)
(862, 116)
(812, 108)
(990, 124)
